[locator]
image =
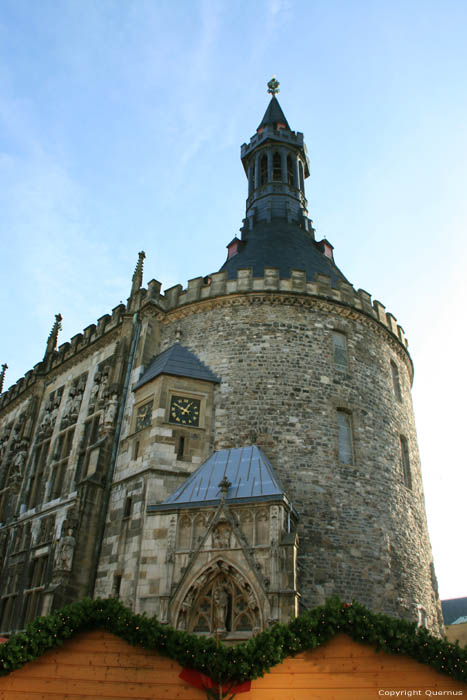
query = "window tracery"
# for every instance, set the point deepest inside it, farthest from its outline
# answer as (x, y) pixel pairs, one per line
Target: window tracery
(220, 601)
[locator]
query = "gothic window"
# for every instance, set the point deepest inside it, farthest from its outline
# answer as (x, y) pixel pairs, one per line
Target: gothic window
(345, 442)
(302, 178)
(290, 172)
(395, 381)
(9, 597)
(277, 167)
(405, 461)
(46, 530)
(90, 437)
(32, 596)
(226, 605)
(263, 170)
(339, 344)
(251, 181)
(61, 452)
(40, 458)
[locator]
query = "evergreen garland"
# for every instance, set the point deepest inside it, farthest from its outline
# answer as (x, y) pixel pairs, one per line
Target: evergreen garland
(251, 659)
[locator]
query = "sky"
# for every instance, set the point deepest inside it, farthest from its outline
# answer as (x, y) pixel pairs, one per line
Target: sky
(120, 130)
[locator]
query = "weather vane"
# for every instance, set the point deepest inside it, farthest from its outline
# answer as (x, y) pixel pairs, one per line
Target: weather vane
(273, 86)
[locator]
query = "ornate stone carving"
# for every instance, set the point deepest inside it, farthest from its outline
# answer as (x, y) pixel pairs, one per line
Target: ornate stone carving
(221, 535)
(64, 551)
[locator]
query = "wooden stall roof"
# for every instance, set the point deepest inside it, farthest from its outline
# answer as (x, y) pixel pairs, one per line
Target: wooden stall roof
(97, 664)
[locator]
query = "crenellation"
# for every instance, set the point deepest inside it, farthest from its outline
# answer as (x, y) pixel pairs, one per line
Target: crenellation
(102, 322)
(380, 311)
(365, 299)
(172, 295)
(218, 284)
(193, 290)
(392, 324)
(298, 278)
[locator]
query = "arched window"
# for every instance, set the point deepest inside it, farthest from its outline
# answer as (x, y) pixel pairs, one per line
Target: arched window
(290, 175)
(302, 178)
(263, 170)
(345, 445)
(277, 167)
(251, 183)
(221, 601)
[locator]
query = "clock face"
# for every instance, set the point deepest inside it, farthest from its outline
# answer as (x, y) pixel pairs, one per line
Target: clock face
(184, 411)
(143, 416)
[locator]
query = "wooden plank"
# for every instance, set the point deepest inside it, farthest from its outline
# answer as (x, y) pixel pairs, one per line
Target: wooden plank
(133, 674)
(120, 659)
(373, 680)
(32, 695)
(102, 689)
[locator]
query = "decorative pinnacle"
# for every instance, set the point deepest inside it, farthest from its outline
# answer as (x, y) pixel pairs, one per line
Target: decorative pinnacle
(137, 279)
(2, 376)
(224, 486)
(273, 86)
(52, 339)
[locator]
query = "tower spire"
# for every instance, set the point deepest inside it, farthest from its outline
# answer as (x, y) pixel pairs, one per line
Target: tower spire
(137, 279)
(53, 335)
(2, 376)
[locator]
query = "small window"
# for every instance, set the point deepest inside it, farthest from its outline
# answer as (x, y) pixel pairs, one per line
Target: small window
(277, 167)
(127, 508)
(339, 343)
(136, 450)
(405, 462)
(117, 585)
(181, 447)
(395, 381)
(344, 421)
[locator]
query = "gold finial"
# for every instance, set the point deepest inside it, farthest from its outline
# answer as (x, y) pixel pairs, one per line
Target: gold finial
(273, 86)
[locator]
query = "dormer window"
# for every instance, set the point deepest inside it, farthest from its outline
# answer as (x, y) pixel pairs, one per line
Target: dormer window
(327, 250)
(280, 125)
(232, 248)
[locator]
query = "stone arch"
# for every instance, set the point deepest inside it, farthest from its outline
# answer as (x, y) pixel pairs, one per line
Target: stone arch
(220, 599)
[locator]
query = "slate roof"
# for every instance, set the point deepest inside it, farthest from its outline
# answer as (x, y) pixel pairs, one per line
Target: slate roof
(453, 609)
(247, 468)
(179, 361)
(274, 114)
(285, 246)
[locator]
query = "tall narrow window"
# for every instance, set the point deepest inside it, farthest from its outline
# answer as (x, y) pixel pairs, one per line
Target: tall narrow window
(405, 462)
(339, 344)
(395, 381)
(302, 178)
(290, 175)
(344, 421)
(263, 173)
(252, 178)
(181, 447)
(277, 167)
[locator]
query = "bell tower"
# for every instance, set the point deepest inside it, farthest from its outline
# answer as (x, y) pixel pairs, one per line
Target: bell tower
(276, 165)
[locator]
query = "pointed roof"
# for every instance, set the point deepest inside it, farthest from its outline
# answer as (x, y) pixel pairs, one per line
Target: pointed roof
(179, 361)
(248, 469)
(274, 115)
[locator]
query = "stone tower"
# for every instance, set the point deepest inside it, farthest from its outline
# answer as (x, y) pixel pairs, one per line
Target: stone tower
(228, 454)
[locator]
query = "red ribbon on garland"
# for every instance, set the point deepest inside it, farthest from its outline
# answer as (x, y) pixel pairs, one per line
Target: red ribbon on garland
(199, 680)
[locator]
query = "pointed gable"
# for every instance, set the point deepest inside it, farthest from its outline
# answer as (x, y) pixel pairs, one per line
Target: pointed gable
(179, 361)
(274, 115)
(248, 469)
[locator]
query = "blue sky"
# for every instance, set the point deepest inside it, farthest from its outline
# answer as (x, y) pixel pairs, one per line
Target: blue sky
(120, 129)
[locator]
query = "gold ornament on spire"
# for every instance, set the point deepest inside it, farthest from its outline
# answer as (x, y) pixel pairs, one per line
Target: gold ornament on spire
(273, 86)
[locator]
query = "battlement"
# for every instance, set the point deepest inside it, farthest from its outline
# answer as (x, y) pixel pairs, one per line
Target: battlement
(205, 288)
(217, 284)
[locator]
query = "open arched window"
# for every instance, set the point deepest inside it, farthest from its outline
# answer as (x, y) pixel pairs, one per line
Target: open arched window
(302, 178)
(263, 170)
(290, 174)
(277, 167)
